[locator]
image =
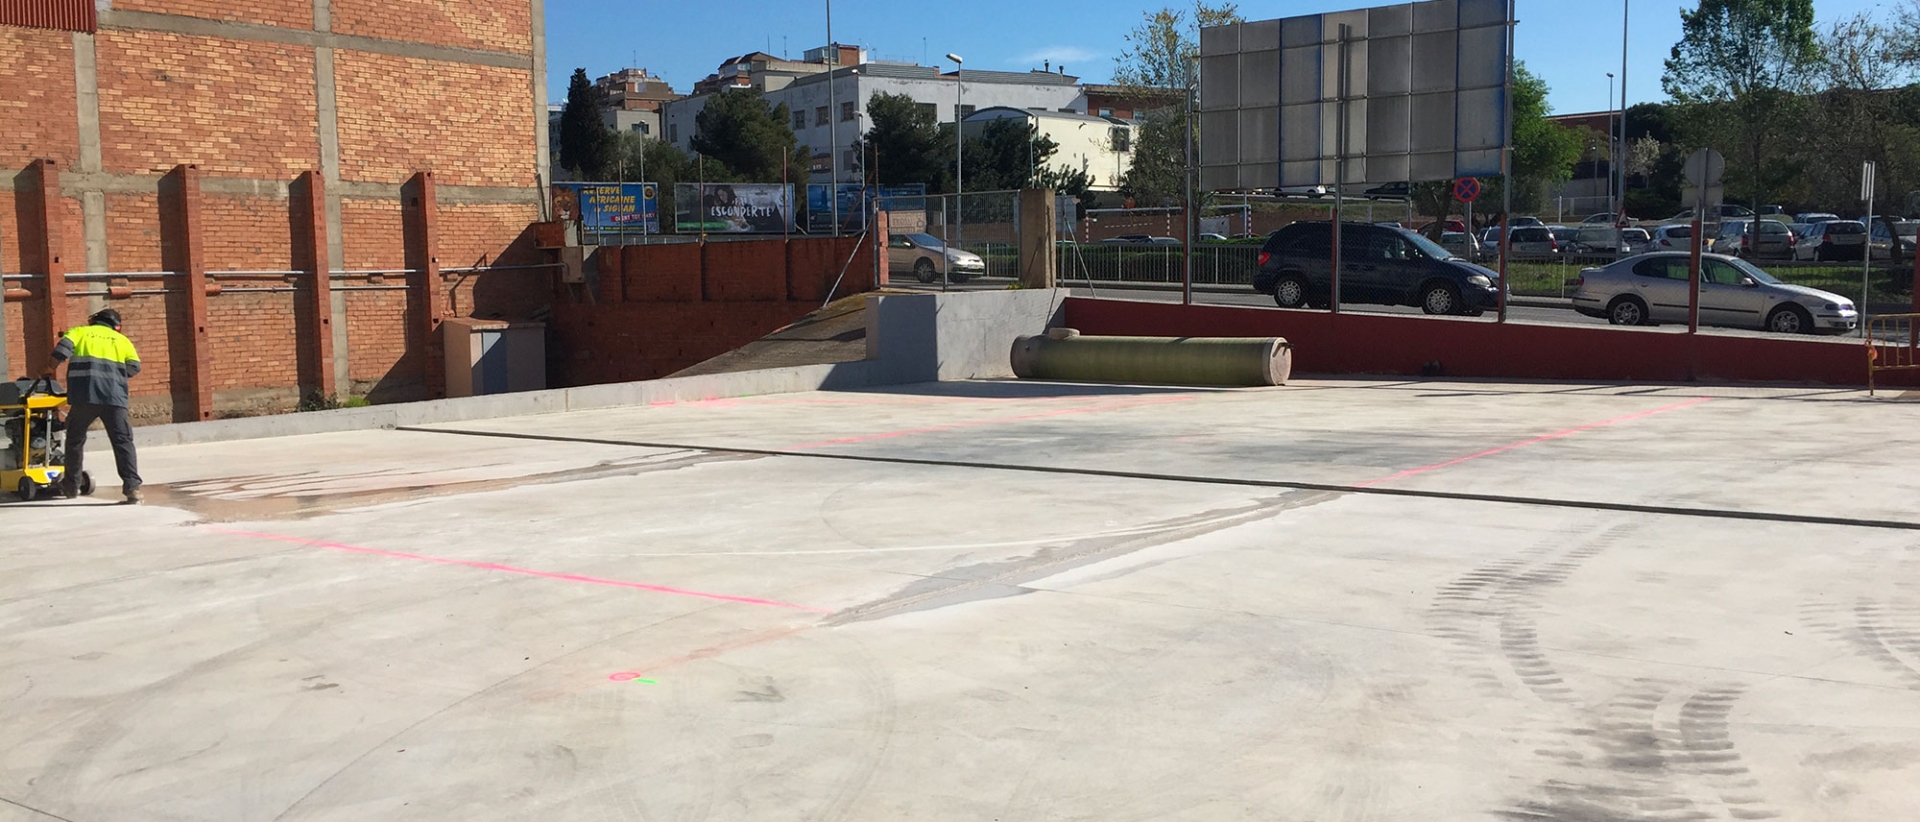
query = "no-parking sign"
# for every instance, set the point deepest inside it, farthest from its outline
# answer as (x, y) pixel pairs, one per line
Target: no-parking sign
(1466, 189)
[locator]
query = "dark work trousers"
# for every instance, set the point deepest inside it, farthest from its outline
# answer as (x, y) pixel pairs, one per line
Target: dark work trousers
(119, 432)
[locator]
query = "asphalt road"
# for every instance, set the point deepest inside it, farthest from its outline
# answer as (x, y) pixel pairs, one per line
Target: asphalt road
(1531, 313)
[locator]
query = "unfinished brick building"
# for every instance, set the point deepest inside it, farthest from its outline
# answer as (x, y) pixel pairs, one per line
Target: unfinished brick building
(194, 163)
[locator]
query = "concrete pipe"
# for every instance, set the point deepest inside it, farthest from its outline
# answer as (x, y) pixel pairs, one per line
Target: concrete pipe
(1230, 361)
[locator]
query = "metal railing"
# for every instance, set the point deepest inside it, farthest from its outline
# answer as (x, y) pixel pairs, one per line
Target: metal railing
(1891, 342)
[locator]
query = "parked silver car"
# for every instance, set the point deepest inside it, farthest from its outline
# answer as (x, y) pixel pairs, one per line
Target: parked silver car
(1672, 238)
(1653, 288)
(1881, 242)
(1832, 240)
(1755, 238)
(927, 257)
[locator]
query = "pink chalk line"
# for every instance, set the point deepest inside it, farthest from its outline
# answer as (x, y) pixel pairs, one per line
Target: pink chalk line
(494, 566)
(1535, 441)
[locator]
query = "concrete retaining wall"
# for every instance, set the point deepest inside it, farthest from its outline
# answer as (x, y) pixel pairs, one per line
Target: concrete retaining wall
(911, 338)
(964, 336)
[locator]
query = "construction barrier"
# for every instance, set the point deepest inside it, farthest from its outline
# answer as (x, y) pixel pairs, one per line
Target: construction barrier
(1891, 342)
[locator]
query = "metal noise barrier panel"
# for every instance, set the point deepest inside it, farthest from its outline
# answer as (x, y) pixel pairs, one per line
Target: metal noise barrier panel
(1215, 361)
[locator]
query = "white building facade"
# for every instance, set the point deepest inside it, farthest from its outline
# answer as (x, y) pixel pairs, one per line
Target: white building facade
(829, 121)
(1100, 146)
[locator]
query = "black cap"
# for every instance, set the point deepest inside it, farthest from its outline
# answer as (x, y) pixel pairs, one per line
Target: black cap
(108, 317)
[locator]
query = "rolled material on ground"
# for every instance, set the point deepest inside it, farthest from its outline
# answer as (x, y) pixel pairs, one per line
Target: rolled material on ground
(1224, 361)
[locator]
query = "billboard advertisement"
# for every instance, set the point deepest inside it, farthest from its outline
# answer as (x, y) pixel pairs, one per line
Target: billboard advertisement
(609, 207)
(732, 208)
(856, 199)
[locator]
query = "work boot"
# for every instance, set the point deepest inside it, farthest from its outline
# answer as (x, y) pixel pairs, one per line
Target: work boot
(67, 488)
(134, 496)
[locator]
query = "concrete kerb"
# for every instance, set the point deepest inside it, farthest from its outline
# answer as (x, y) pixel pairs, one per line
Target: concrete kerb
(911, 338)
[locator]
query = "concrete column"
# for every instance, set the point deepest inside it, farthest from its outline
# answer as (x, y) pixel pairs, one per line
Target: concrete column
(93, 204)
(426, 301)
(327, 117)
(182, 248)
(541, 158)
(315, 320)
(42, 237)
(1037, 229)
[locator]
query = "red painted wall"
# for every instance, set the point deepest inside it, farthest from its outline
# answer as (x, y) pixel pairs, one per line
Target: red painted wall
(1326, 343)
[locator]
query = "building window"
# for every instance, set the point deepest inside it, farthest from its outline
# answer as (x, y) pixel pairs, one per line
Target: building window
(673, 133)
(1106, 112)
(643, 128)
(1122, 139)
(931, 109)
(820, 116)
(965, 112)
(799, 120)
(846, 112)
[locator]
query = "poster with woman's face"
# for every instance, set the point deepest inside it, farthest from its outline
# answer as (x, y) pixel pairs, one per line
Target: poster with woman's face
(732, 208)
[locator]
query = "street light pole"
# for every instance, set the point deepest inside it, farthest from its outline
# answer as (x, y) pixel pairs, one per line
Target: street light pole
(1612, 161)
(833, 124)
(1626, 8)
(959, 167)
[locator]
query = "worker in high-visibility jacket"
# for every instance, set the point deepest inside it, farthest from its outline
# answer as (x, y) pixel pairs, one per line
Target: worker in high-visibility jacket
(99, 361)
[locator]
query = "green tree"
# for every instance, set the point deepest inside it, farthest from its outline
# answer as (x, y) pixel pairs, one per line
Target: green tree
(907, 138)
(1740, 66)
(1543, 155)
(749, 139)
(584, 139)
(1543, 151)
(643, 159)
(1162, 55)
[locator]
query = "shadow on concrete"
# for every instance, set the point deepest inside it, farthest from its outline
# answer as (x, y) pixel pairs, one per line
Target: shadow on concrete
(1026, 389)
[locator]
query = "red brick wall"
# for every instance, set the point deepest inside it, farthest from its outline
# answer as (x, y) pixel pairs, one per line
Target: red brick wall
(296, 14)
(376, 324)
(246, 233)
(372, 236)
(656, 320)
(395, 119)
(491, 26)
(251, 337)
(36, 101)
(133, 223)
(15, 343)
(234, 108)
(246, 114)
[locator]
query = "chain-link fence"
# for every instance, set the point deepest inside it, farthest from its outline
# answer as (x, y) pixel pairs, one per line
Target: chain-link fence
(954, 238)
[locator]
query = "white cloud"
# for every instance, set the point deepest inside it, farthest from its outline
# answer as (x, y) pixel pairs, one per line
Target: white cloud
(1058, 55)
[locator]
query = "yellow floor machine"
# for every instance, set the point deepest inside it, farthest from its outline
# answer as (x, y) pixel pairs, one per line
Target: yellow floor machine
(34, 461)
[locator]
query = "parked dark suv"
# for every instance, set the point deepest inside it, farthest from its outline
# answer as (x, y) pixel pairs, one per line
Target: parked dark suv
(1379, 264)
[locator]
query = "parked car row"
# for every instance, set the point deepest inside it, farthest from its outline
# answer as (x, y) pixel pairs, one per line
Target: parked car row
(1388, 265)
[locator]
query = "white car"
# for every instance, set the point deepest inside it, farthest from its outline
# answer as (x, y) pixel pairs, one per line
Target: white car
(1832, 240)
(1672, 238)
(1653, 288)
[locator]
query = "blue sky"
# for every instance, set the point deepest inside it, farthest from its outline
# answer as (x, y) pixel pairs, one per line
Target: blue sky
(1570, 43)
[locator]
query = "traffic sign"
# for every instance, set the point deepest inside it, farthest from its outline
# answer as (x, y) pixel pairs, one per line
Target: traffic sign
(1466, 189)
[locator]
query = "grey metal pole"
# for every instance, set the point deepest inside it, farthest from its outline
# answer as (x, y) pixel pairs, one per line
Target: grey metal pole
(1506, 182)
(1866, 256)
(1186, 191)
(1626, 8)
(959, 156)
(833, 123)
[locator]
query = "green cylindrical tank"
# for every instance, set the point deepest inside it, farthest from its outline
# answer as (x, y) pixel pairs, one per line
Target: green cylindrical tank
(1230, 361)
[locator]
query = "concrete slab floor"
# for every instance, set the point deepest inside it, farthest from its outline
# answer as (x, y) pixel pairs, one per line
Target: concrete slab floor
(1697, 604)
